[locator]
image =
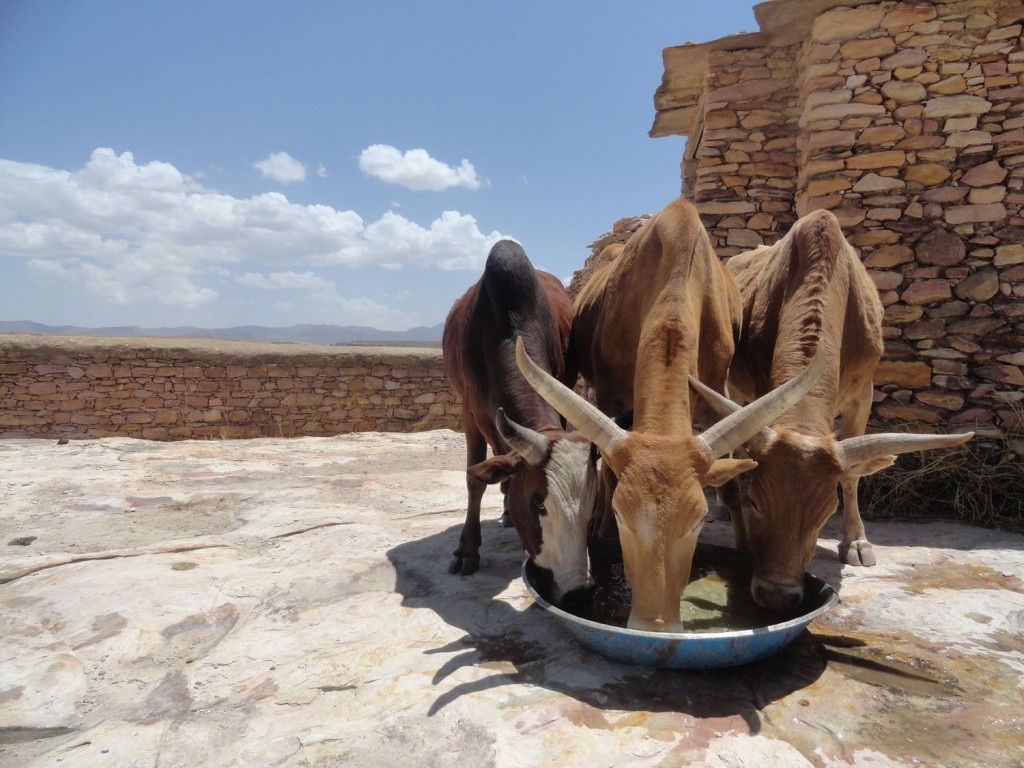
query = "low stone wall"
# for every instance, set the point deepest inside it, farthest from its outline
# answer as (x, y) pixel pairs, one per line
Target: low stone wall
(173, 389)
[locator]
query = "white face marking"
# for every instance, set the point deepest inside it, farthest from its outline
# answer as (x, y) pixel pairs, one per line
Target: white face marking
(572, 491)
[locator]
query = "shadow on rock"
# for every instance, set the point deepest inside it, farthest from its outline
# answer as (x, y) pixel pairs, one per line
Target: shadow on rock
(527, 647)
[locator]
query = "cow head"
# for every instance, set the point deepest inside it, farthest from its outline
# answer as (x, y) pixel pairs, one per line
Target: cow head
(552, 486)
(658, 500)
(794, 491)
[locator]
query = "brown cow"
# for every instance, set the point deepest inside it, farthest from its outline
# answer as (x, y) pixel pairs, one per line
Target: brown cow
(663, 309)
(548, 475)
(808, 292)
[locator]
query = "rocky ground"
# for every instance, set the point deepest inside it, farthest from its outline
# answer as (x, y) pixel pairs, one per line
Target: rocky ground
(287, 603)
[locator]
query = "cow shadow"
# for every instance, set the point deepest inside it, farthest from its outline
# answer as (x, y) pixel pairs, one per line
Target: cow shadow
(506, 631)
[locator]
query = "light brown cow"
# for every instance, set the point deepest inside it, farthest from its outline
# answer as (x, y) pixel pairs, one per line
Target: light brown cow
(807, 292)
(662, 309)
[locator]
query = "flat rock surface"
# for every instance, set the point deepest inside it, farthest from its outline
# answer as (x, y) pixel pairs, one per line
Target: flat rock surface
(287, 603)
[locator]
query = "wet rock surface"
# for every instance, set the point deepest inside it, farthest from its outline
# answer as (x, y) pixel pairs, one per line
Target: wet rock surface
(287, 603)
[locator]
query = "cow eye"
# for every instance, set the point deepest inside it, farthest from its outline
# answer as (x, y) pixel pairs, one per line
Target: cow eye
(537, 504)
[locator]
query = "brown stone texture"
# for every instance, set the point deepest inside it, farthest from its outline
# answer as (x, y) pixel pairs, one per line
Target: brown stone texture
(906, 120)
(161, 389)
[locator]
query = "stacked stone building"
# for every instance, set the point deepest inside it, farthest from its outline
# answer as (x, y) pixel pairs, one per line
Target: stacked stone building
(906, 120)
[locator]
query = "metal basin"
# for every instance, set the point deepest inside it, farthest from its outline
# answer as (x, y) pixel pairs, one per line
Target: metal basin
(689, 650)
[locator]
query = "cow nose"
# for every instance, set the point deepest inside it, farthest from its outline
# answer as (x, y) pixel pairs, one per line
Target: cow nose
(778, 597)
(577, 601)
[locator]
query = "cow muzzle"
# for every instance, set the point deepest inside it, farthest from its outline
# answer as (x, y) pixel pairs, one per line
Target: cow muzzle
(776, 596)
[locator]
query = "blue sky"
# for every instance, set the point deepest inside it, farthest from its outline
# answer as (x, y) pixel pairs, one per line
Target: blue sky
(218, 162)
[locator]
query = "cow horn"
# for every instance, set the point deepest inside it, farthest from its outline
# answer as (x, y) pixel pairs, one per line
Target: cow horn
(856, 450)
(532, 446)
(737, 428)
(588, 420)
(723, 406)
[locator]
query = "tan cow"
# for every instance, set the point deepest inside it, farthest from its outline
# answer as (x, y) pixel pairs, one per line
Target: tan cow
(807, 292)
(662, 309)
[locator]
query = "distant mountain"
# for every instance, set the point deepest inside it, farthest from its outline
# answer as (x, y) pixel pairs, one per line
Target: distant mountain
(304, 334)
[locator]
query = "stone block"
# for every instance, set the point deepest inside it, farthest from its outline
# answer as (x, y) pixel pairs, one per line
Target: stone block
(922, 292)
(975, 214)
(877, 47)
(978, 286)
(956, 106)
(893, 158)
(927, 174)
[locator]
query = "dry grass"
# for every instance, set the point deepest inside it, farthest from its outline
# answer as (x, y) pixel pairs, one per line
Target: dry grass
(974, 483)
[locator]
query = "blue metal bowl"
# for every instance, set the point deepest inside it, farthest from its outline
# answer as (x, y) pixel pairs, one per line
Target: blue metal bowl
(691, 650)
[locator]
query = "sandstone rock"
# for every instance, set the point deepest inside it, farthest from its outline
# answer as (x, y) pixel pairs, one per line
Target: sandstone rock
(840, 112)
(949, 86)
(944, 194)
(1009, 254)
(904, 413)
(872, 182)
(904, 92)
(928, 174)
(968, 139)
(893, 158)
(983, 195)
(820, 187)
(941, 248)
(882, 134)
(905, 57)
(953, 106)
(979, 286)
(950, 401)
(914, 375)
(867, 49)
(885, 280)
(901, 314)
(909, 14)
(828, 139)
(889, 256)
(921, 292)
(974, 214)
(846, 23)
(955, 124)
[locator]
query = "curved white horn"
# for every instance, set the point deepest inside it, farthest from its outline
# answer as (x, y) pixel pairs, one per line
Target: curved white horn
(719, 403)
(856, 450)
(737, 428)
(723, 406)
(588, 420)
(532, 446)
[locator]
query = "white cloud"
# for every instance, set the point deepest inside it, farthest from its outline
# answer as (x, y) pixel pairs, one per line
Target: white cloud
(133, 234)
(281, 167)
(416, 169)
(325, 300)
(321, 171)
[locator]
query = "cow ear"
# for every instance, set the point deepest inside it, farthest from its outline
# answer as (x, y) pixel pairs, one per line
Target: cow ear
(869, 467)
(496, 469)
(724, 470)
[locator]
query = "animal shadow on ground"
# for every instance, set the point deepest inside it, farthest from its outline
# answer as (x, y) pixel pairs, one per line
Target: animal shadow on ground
(527, 647)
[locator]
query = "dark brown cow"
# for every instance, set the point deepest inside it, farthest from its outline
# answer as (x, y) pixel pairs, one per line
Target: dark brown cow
(660, 310)
(548, 474)
(806, 293)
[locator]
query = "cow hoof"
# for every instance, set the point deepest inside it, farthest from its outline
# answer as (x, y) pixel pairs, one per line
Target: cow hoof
(506, 520)
(857, 552)
(464, 565)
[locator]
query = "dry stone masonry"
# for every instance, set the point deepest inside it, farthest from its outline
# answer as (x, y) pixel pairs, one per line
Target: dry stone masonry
(906, 120)
(161, 389)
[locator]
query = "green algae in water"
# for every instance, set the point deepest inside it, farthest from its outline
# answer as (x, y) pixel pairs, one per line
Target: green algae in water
(717, 599)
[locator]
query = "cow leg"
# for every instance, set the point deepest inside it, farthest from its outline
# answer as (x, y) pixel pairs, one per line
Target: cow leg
(466, 559)
(603, 522)
(855, 549)
(730, 499)
(506, 515)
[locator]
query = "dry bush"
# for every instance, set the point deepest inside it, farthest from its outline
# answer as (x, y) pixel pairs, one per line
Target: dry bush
(974, 483)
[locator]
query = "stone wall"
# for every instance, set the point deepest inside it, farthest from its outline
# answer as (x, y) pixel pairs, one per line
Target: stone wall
(162, 389)
(906, 119)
